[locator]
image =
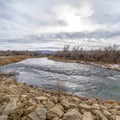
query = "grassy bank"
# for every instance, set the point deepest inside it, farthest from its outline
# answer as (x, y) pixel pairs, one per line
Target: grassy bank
(108, 57)
(11, 59)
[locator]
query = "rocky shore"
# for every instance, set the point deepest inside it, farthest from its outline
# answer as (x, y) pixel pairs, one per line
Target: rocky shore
(19, 101)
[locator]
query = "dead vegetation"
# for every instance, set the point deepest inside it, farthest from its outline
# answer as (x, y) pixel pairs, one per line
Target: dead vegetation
(11, 59)
(106, 55)
(60, 88)
(7, 57)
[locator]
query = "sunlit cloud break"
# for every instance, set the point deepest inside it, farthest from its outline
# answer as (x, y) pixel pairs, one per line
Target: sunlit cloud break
(50, 24)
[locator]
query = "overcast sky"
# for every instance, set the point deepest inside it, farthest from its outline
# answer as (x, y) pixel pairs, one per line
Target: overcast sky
(50, 24)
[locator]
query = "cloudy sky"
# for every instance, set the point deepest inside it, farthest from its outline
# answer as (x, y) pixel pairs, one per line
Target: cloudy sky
(51, 24)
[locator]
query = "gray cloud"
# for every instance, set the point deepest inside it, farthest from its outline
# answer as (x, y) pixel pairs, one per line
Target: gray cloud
(54, 23)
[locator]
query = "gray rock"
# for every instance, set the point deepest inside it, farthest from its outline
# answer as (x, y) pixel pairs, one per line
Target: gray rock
(3, 117)
(2, 107)
(11, 106)
(41, 112)
(33, 116)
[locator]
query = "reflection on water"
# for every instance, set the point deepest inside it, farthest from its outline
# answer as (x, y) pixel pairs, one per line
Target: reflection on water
(80, 79)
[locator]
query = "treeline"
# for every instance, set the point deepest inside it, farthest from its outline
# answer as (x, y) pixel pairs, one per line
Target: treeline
(106, 55)
(17, 53)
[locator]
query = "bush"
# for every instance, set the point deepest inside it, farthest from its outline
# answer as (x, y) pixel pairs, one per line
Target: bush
(107, 55)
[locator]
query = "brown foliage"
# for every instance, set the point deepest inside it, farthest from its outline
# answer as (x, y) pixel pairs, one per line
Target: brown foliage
(107, 55)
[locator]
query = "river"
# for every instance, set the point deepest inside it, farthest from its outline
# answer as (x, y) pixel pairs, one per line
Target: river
(80, 79)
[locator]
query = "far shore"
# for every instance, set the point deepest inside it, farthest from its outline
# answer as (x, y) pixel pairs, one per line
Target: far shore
(100, 64)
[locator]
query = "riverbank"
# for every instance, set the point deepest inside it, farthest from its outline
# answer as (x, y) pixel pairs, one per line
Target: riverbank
(100, 64)
(11, 59)
(19, 101)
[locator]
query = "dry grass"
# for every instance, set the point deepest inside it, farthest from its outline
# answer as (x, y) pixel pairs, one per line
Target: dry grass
(62, 59)
(11, 59)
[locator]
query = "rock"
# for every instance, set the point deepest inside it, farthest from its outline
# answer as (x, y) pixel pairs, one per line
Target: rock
(16, 114)
(47, 94)
(5, 98)
(89, 102)
(33, 116)
(56, 118)
(49, 104)
(84, 106)
(76, 99)
(30, 103)
(11, 106)
(72, 114)
(3, 117)
(30, 109)
(99, 115)
(95, 106)
(56, 111)
(2, 107)
(25, 118)
(42, 98)
(54, 99)
(117, 117)
(117, 107)
(24, 102)
(103, 107)
(87, 116)
(24, 96)
(67, 105)
(107, 114)
(41, 112)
